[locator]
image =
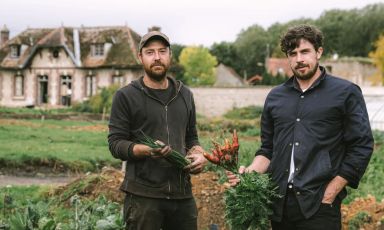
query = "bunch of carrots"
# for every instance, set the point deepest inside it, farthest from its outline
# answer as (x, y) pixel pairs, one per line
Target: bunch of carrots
(240, 213)
(225, 156)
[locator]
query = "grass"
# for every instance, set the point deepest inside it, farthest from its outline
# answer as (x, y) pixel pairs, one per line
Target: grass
(26, 141)
(37, 111)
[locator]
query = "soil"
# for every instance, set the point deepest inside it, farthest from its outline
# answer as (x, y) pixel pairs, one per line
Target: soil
(208, 193)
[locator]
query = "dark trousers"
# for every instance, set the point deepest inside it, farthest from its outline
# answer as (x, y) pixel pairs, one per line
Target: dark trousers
(143, 213)
(327, 217)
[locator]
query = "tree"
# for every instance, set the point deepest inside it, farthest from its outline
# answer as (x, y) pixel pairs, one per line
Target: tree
(378, 55)
(199, 66)
(176, 50)
(251, 46)
(225, 53)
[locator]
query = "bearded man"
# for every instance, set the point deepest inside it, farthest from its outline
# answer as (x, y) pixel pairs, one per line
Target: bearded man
(158, 194)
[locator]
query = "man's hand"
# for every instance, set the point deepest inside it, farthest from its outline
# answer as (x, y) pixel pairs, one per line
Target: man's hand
(198, 161)
(140, 150)
(233, 179)
(333, 188)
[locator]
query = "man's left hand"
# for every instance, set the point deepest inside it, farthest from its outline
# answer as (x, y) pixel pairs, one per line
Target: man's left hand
(333, 188)
(198, 161)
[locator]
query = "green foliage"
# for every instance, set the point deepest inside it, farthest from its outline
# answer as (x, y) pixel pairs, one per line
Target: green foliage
(372, 182)
(252, 48)
(359, 220)
(99, 214)
(199, 66)
(226, 53)
(248, 205)
(268, 79)
(225, 125)
(176, 51)
(99, 103)
(378, 55)
(248, 113)
(33, 216)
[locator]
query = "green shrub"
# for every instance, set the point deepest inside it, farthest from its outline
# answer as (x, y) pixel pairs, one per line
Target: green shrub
(249, 112)
(359, 220)
(226, 125)
(99, 103)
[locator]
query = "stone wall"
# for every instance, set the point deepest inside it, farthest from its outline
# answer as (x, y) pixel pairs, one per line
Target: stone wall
(213, 102)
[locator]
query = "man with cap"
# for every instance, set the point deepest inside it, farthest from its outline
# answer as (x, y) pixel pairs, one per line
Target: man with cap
(158, 194)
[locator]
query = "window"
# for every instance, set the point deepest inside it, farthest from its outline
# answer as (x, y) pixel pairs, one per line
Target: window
(97, 49)
(90, 86)
(66, 90)
(19, 86)
(15, 51)
(118, 80)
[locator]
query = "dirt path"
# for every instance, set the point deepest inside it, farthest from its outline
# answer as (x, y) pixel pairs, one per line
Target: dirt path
(20, 180)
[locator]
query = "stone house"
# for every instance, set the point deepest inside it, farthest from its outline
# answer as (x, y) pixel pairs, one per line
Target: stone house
(56, 67)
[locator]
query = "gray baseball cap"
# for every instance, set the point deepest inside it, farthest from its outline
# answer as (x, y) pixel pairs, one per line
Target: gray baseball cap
(151, 35)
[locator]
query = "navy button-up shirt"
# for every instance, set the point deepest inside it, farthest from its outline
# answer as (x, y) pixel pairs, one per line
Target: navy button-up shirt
(327, 125)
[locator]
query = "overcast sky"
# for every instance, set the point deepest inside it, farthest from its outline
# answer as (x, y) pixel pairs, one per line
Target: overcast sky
(190, 22)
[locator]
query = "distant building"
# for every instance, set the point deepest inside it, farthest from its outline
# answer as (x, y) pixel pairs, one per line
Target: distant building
(58, 66)
(227, 77)
(360, 71)
(278, 66)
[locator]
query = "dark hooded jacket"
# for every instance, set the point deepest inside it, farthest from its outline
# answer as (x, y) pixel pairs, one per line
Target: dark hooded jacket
(136, 113)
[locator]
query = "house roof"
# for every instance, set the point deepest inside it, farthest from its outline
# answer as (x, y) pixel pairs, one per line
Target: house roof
(278, 65)
(122, 52)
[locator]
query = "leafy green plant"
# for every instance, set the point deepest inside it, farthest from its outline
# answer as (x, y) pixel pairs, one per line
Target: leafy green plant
(99, 214)
(248, 204)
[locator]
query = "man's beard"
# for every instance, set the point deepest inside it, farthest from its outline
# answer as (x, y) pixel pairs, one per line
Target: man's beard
(156, 75)
(306, 76)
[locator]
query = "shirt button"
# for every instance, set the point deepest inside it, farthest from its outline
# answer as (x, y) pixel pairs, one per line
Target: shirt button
(297, 169)
(298, 193)
(290, 144)
(297, 143)
(297, 119)
(302, 96)
(290, 186)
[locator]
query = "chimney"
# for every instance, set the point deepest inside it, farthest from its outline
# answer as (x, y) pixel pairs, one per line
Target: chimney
(154, 28)
(4, 35)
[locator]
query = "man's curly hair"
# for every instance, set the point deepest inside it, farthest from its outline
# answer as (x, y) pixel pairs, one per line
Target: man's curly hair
(291, 39)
